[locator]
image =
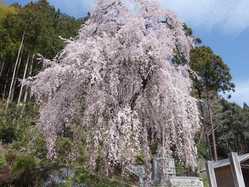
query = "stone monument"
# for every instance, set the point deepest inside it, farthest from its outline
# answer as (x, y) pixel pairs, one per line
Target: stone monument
(164, 175)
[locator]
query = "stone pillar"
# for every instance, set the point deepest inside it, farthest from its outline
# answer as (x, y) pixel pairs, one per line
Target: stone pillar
(163, 169)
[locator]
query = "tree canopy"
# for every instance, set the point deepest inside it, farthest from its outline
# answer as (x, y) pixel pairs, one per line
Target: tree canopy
(214, 74)
(6, 10)
(232, 128)
(41, 24)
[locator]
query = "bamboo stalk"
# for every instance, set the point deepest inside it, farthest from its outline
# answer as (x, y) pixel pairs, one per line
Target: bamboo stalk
(14, 74)
(4, 89)
(24, 77)
(26, 90)
(2, 68)
(15, 80)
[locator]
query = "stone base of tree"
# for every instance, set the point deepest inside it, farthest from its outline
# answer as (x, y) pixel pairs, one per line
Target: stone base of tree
(182, 182)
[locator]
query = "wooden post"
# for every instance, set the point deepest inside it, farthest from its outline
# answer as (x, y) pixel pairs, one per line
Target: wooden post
(236, 170)
(211, 174)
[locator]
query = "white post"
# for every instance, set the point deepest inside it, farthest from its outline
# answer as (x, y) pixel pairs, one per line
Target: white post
(211, 174)
(236, 170)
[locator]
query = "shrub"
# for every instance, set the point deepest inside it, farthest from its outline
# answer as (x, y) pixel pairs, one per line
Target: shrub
(24, 164)
(84, 177)
(24, 171)
(7, 135)
(2, 161)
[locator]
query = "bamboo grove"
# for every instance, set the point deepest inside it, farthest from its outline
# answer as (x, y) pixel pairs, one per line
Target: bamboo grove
(25, 32)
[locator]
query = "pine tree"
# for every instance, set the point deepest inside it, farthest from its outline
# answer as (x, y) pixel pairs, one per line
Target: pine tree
(213, 77)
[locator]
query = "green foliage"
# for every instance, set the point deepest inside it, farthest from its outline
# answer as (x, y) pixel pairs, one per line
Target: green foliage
(202, 148)
(6, 10)
(214, 74)
(24, 163)
(179, 58)
(212, 77)
(154, 148)
(63, 149)
(42, 25)
(205, 181)
(2, 161)
(232, 128)
(16, 124)
(69, 183)
(10, 157)
(7, 135)
(188, 30)
(84, 177)
(25, 171)
(180, 169)
(24, 147)
(231, 123)
(140, 160)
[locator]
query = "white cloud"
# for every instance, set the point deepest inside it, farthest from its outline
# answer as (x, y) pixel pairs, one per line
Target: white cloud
(232, 16)
(242, 93)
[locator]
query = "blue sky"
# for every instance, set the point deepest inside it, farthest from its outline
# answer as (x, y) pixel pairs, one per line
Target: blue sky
(221, 24)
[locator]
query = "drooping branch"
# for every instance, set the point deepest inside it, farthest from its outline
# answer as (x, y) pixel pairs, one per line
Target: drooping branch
(145, 81)
(118, 82)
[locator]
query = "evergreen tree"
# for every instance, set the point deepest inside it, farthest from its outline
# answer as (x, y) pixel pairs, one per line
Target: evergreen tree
(232, 128)
(213, 76)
